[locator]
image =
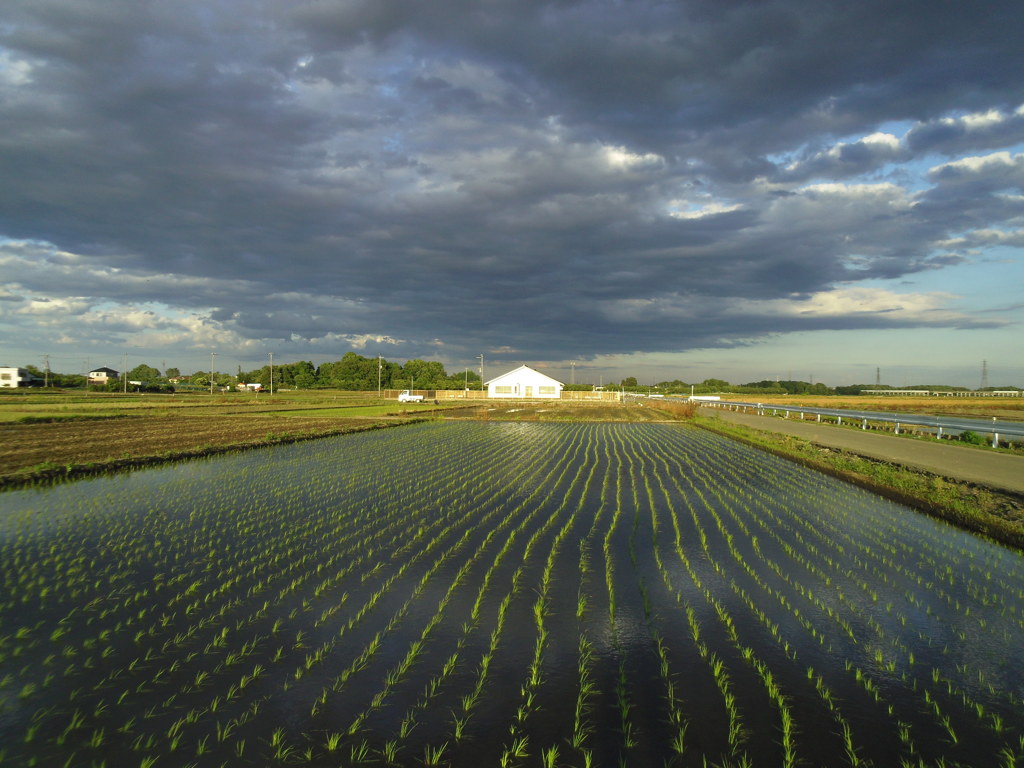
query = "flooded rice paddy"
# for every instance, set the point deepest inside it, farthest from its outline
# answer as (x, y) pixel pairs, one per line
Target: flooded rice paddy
(489, 594)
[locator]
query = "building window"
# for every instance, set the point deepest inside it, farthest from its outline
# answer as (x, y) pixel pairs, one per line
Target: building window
(545, 390)
(498, 390)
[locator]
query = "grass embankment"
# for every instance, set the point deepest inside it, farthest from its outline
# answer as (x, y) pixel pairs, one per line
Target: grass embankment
(997, 515)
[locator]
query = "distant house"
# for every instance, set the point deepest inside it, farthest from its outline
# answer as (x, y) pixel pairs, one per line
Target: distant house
(524, 382)
(11, 378)
(103, 375)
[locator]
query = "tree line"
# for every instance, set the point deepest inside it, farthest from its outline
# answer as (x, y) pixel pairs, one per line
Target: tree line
(351, 372)
(359, 373)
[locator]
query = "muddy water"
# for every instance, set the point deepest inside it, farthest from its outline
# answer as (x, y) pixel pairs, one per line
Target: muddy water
(422, 596)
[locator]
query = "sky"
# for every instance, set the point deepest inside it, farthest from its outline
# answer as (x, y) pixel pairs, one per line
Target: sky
(695, 189)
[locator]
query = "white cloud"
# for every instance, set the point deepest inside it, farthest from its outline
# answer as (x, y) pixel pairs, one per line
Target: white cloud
(846, 305)
(622, 159)
(983, 119)
(980, 164)
(57, 309)
(14, 71)
(886, 140)
(851, 302)
(980, 238)
(334, 341)
(695, 211)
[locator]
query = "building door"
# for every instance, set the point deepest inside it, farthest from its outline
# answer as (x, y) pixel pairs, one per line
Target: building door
(529, 391)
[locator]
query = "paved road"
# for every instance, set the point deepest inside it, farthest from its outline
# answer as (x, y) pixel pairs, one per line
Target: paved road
(994, 470)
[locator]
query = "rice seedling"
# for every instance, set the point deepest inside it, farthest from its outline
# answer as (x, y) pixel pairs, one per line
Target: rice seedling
(764, 563)
(433, 755)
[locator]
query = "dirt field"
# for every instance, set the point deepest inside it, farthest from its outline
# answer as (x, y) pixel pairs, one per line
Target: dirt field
(629, 411)
(139, 434)
(25, 447)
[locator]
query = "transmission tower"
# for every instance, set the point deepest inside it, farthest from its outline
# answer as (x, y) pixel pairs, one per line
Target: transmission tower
(984, 374)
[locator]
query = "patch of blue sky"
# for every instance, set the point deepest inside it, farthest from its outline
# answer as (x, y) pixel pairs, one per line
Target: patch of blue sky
(158, 308)
(905, 357)
(989, 281)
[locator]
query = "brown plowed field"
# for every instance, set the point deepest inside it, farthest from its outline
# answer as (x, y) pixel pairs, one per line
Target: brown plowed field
(23, 446)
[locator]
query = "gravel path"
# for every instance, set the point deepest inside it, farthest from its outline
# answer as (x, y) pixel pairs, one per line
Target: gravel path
(994, 470)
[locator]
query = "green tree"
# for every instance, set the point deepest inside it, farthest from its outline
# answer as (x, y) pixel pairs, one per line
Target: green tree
(143, 372)
(425, 374)
(67, 380)
(462, 380)
(714, 384)
(172, 373)
(301, 374)
(629, 381)
(202, 379)
(352, 372)
(260, 375)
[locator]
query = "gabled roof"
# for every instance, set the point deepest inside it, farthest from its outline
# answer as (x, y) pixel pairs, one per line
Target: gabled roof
(534, 371)
(103, 370)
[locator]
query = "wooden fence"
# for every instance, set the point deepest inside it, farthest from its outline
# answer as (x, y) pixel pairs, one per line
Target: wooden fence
(476, 394)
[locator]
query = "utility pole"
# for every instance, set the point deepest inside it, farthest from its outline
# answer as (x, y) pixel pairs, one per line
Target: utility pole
(212, 355)
(984, 374)
(572, 380)
(124, 374)
(46, 370)
(271, 372)
(481, 372)
(379, 366)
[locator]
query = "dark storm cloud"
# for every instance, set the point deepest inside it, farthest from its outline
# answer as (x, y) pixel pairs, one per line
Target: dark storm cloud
(494, 175)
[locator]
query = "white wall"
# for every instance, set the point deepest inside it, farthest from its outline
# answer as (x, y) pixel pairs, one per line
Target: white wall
(524, 383)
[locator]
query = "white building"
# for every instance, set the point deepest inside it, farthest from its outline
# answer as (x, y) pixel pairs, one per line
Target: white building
(10, 378)
(102, 375)
(526, 383)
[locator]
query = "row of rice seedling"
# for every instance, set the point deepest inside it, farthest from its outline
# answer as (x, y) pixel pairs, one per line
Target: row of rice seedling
(501, 594)
(432, 691)
(462, 725)
(880, 656)
(785, 646)
(395, 675)
(151, 655)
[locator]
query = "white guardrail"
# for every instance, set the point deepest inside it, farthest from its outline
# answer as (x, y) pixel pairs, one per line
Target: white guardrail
(940, 425)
